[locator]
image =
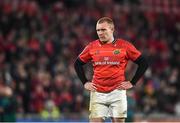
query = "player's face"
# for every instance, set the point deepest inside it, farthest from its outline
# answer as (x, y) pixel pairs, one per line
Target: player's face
(104, 32)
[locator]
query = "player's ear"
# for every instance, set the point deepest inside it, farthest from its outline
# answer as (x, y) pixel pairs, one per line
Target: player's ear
(112, 28)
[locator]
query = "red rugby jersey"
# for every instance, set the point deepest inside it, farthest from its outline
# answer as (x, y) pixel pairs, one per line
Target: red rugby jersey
(109, 62)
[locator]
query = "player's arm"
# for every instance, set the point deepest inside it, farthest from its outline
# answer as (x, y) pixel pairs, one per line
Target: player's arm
(78, 66)
(134, 55)
(142, 67)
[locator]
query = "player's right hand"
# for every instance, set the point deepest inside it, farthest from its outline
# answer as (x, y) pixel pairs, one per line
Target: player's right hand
(125, 85)
(90, 86)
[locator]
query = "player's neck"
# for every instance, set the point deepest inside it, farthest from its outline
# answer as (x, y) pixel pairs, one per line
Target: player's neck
(110, 41)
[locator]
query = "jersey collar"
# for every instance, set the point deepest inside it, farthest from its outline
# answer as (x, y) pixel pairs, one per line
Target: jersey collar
(113, 42)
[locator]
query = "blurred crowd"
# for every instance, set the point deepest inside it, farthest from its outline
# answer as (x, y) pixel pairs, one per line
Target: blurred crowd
(40, 40)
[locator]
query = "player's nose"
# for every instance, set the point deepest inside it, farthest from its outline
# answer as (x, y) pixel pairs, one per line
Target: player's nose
(100, 33)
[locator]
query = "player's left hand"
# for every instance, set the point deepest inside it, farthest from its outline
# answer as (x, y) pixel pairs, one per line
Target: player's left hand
(125, 85)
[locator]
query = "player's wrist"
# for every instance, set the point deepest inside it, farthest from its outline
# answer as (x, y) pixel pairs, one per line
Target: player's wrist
(86, 84)
(133, 84)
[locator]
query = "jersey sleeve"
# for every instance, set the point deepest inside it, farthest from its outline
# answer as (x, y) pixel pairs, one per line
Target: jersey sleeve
(85, 54)
(132, 52)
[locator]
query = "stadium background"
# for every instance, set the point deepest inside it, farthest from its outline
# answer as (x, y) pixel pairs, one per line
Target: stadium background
(39, 41)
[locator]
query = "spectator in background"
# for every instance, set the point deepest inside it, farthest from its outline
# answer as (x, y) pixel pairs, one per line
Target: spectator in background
(50, 111)
(7, 102)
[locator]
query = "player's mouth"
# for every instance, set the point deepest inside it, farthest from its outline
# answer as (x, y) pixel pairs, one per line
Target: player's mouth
(102, 37)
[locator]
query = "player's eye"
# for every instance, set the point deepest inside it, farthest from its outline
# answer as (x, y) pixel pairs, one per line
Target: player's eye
(100, 30)
(103, 30)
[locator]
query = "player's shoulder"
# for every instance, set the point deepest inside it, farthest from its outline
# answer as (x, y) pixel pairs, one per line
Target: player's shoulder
(122, 42)
(94, 42)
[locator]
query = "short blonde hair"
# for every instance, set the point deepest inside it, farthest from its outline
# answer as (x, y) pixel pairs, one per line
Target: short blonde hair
(106, 19)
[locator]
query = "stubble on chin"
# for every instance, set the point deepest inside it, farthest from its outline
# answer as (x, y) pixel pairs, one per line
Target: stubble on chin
(103, 41)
